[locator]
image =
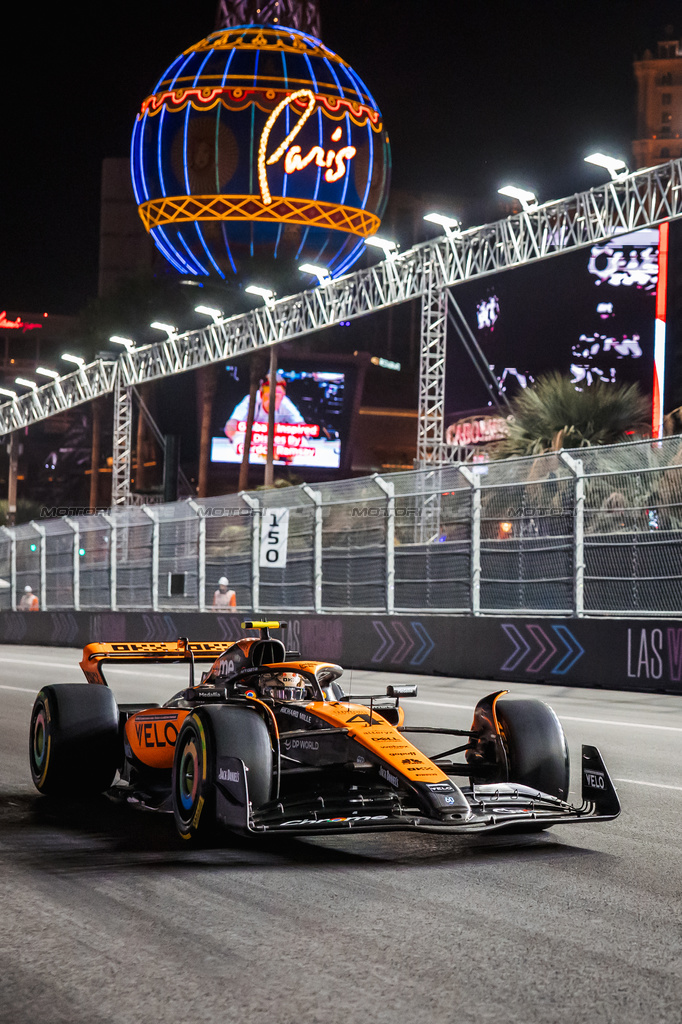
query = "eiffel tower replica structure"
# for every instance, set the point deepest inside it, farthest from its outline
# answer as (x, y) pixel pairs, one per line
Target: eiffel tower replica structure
(303, 15)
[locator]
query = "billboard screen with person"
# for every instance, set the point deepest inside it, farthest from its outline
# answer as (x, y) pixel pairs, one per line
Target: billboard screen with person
(310, 418)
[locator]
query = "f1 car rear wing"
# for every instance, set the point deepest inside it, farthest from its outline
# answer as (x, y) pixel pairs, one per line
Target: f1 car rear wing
(94, 655)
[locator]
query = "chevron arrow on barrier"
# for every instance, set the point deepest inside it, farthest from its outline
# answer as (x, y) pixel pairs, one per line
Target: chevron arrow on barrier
(406, 645)
(547, 649)
(573, 651)
(229, 628)
(387, 641)
(15, 627)
(427, 644)
(64, 627)
(521, 647)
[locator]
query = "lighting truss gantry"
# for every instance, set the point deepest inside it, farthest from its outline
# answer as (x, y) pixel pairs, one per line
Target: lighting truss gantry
(642, 199)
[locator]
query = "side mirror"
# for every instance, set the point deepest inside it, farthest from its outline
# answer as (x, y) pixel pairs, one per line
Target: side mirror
(401, 691)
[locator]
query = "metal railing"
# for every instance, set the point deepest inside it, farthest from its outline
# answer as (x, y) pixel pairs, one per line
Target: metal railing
(592, 531)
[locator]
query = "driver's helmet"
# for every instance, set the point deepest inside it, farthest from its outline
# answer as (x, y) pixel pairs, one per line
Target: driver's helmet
(287, 686)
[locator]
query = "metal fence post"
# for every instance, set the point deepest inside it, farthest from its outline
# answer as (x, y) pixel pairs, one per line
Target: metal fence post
(254, 505)
(155, 555)
(40, 530)
(474, 480)
(201, 554)
(316, 498)
(12, 566)
(76, 586)
(389, 490)
(576, 468)
(112, 560)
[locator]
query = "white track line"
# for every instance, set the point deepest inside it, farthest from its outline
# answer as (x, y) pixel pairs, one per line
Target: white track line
(655, 785)
(564, 718)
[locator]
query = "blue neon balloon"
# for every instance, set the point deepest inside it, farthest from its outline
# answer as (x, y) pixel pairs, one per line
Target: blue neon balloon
(258, 143)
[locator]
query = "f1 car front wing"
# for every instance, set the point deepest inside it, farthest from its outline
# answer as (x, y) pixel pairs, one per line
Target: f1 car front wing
(493, 807)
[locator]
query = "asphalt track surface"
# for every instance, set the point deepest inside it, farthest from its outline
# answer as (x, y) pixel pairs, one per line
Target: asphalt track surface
(106, 919)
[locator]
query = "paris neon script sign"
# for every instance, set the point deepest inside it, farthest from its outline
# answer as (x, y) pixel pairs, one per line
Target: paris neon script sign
(333, 160)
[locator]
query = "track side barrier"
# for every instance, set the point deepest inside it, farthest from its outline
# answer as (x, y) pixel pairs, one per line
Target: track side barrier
(615, 653)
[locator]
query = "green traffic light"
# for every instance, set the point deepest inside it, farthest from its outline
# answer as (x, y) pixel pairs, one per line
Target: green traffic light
(34, 547)
(81, 551)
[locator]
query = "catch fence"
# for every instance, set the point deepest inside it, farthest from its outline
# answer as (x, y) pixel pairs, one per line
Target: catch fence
(593, 531)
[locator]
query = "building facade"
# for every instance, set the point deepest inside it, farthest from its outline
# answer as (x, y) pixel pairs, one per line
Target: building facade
(659, 105)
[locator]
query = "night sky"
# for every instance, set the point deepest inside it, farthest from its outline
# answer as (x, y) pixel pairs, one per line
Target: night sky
(474, 95)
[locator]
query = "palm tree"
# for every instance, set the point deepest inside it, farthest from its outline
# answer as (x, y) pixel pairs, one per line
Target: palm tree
(553, 415)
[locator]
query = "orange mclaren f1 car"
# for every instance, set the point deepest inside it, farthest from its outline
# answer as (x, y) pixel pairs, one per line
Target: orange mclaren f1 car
(265, 742)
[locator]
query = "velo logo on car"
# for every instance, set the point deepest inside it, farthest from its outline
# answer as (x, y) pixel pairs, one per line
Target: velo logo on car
(595, 780)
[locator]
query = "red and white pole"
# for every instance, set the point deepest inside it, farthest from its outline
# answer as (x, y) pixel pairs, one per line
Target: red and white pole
(659, 332)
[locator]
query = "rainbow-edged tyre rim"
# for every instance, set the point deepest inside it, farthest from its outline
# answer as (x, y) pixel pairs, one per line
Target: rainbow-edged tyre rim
(188, 777)
(40, 741)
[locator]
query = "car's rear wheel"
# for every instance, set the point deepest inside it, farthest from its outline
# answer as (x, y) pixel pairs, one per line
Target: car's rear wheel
(535, 745)
(208, 734)
(74, 746)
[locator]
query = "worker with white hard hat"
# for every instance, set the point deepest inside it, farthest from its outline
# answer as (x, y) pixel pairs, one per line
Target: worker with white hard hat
(29, 602)
(223, 598)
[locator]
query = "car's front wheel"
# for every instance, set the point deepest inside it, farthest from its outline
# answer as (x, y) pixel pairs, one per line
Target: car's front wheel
(535, 745)
(208, 734)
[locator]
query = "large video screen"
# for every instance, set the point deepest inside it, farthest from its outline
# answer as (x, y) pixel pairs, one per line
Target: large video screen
(589, 314)
(310, 417)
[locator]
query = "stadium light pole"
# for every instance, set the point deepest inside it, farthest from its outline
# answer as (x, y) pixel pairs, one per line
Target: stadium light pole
(10, 394)
(269, 476)
(268, 479)
(80, 363)
(216, 314)
(127, 343)
(450, 224)
(54, 376)
(527, 199)
(26, 383)
(616, 168)
(388, 247)
(170, 330)
(321, 273)
(265, 294)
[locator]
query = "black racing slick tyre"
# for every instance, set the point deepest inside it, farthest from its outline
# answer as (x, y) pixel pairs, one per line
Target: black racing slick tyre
(206, 735)
(535, 745)
(74, 747)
